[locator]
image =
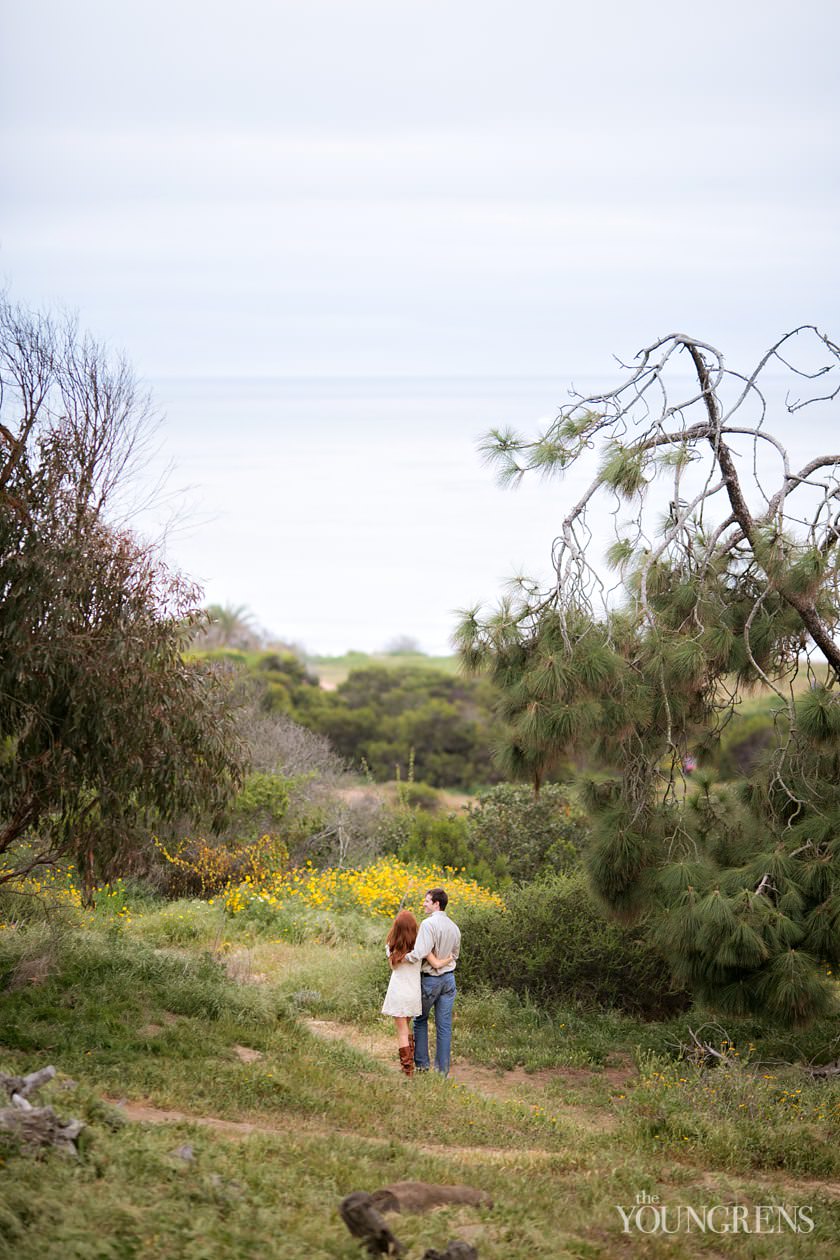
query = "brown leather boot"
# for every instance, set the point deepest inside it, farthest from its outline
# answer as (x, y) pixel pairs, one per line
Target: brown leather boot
(411, 1044)
(407, 1060)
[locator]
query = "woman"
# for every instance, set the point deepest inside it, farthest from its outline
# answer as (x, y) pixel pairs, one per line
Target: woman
(403, 999)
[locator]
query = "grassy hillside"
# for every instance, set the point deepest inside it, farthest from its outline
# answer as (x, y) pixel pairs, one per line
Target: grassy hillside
(237, 1083)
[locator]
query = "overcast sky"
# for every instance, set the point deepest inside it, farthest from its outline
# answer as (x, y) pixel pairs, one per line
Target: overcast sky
(325, 188)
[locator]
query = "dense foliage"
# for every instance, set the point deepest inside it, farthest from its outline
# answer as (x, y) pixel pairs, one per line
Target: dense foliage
(400, 720)
(552, 944)
(391, 719)
(504, 835)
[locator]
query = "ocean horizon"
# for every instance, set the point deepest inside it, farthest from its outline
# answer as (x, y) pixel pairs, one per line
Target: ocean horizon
(345, 511)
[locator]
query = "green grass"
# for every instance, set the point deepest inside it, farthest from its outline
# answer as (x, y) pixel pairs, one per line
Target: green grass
(148, 1012)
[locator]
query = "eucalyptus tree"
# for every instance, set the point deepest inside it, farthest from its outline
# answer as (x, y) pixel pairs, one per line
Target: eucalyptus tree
(101, 717)
(726, 553)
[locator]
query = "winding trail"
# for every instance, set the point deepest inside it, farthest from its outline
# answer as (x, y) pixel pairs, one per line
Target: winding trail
(147, 1113)
(511, 1085)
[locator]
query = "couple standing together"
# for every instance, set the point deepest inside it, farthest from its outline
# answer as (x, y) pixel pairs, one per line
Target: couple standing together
(422, 980)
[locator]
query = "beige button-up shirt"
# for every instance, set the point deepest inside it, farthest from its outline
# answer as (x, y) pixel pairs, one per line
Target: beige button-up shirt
(437, 935)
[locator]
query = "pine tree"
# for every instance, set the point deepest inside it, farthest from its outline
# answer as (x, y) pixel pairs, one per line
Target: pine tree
(733, 587)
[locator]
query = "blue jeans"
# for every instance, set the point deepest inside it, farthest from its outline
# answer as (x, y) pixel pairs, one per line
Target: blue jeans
(438, 993)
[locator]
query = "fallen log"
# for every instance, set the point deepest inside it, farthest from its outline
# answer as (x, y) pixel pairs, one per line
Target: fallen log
(362, 1214)
(455, 1250)
(825, 1069)
(366, 1223)
(35, 1126)
(420, 1196)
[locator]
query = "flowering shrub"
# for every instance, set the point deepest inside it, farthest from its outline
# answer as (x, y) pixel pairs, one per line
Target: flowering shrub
(58, 887)
(200, 869)
(268, 891)
(380, 889)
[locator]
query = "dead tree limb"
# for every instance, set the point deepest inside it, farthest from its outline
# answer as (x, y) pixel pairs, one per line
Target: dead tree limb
(36, 1126)
(824, 1070)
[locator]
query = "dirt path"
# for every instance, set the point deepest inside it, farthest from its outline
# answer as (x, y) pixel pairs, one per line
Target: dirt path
(726, 1186)
(511, 1085)
(516, 1084)
(147, 1113)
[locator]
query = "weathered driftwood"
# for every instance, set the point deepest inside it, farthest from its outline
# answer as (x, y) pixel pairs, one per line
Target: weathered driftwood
(23, 1086)
(362, 1214)
(825, 1069)
(457, 1249)
(367, 1224)
(35, 1126)
(703, 1053)
(419, 1196)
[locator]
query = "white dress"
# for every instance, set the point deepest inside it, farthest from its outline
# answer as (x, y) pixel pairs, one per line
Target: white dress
(403, 996)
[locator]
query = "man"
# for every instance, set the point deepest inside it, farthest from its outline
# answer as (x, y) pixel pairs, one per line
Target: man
(438, 935)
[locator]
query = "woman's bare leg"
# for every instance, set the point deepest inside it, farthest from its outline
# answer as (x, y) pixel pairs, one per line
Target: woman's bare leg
(403, 1023)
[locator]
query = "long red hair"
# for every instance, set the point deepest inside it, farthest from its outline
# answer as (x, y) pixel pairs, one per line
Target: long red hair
(401, 938)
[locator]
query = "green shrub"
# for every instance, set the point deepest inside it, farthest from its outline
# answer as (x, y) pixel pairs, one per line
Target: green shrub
(419, 796)
(440, 724)
(433, 840)
(743, 744)
(522, 835)
(261, 804)
(552, 944)
(506, 835)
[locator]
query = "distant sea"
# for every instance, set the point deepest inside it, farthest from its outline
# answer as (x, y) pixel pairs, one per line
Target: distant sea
(345, 512)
